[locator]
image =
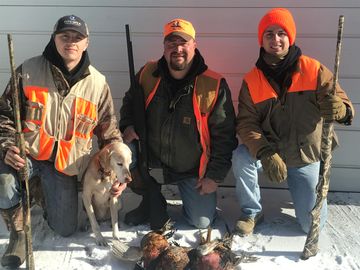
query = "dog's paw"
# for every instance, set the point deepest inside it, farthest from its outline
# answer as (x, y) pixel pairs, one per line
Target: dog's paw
(101, 241)
(116, 235)
(126, 253)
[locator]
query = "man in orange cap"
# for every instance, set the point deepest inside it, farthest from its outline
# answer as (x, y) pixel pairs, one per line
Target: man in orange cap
(188, 129)
(282, 102)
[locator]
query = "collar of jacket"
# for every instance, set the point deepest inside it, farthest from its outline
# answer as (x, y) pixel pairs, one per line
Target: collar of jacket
(62, 85)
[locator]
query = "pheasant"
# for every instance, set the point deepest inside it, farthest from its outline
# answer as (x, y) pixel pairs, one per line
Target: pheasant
(172, 258)
(155, 242)
(151, 246)
(216, 255)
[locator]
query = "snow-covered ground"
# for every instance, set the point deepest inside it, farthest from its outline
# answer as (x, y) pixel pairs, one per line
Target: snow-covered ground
(278, 242)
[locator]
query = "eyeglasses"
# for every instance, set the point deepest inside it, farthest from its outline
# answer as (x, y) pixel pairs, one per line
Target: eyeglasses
(170, 45)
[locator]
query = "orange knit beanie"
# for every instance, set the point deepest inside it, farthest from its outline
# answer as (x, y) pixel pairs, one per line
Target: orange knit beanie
(281, 17)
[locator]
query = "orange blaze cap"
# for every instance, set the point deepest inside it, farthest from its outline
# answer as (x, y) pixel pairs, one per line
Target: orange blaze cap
(179, 27)
(281, 17)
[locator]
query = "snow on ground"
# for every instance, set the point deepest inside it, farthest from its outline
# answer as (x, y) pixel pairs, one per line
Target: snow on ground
(278, 242)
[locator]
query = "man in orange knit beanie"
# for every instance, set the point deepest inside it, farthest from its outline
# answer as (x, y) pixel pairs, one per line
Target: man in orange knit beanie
(282, 103)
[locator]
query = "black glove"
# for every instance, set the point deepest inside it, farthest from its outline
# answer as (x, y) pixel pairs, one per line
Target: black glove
(274, 167)
(332, 108)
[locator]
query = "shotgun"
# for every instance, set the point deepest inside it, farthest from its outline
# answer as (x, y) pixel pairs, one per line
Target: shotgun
(139, 116)
(147, 182)
(322, 188)
(130, 57)
(23, 172)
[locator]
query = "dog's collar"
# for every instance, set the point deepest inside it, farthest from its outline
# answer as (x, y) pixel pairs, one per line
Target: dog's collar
(103, 173)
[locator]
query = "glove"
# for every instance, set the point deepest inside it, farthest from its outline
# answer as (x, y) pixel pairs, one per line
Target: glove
(274, 167)
(332, 108)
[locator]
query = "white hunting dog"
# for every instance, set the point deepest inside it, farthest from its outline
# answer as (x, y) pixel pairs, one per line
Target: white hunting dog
(107, 166)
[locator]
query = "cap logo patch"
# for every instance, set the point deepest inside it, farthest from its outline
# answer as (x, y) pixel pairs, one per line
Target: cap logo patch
(72, 21)
(176, 24)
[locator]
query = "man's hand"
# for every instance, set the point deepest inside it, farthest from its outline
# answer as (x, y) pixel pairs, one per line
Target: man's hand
(332, 108)
(13, 159)
(117, 188)
(129, 134)
(275, 168)
(206, 186)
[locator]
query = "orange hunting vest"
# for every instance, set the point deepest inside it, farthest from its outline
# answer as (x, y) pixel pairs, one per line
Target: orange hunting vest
(51, 118)
(305, 80)
(204, 98)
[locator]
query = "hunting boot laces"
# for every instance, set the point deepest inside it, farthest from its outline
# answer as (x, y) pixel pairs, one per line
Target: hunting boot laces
(14, 255)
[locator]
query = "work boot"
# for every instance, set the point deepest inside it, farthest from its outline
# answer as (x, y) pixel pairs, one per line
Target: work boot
(139, 215)
(246, 225)
(158, 213)
(14, 255)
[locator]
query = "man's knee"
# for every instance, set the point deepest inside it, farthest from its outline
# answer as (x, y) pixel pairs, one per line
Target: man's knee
(201, 222)
(7, 182)
(9, 192)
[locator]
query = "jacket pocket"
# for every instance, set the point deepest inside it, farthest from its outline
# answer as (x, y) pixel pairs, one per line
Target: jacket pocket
(34, 111)
(34, 114)
(309, 148)
(84, 125)
(32, 124)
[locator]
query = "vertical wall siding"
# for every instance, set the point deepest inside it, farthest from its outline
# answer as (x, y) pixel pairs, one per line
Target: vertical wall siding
(226, 36)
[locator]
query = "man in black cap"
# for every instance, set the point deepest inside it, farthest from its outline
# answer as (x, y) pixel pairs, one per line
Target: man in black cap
(64, 101)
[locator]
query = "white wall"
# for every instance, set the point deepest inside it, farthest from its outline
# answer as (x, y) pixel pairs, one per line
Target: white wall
(226, 36)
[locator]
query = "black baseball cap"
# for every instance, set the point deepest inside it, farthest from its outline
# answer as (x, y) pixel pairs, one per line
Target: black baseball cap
(71, 22)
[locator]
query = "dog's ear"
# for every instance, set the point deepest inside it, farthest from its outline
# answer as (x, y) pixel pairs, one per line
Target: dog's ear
(104, 158)
(111, 152)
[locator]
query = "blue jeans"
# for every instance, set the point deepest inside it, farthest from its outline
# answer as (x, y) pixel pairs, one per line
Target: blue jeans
(301, 181)
(60, 194)
(199, 210)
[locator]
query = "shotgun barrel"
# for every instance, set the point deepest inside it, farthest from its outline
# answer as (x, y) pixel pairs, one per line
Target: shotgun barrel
(23, 172)
(311, 243)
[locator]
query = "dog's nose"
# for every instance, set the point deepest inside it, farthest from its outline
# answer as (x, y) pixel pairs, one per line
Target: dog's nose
(128, 179)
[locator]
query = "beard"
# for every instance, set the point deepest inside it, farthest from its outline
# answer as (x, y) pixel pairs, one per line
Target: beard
(178, 66)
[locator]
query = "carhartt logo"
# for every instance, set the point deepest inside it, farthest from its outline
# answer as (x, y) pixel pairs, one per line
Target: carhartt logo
(186, 120)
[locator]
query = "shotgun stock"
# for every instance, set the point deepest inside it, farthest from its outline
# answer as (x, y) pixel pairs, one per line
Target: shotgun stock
(23, 172)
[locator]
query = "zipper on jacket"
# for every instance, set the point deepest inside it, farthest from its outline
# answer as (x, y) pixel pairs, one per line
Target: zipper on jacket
(169, 122)
(173, 102)
(61, 100)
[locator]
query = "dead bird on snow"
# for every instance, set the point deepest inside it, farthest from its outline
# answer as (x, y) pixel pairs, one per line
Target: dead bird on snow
(216, 255)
